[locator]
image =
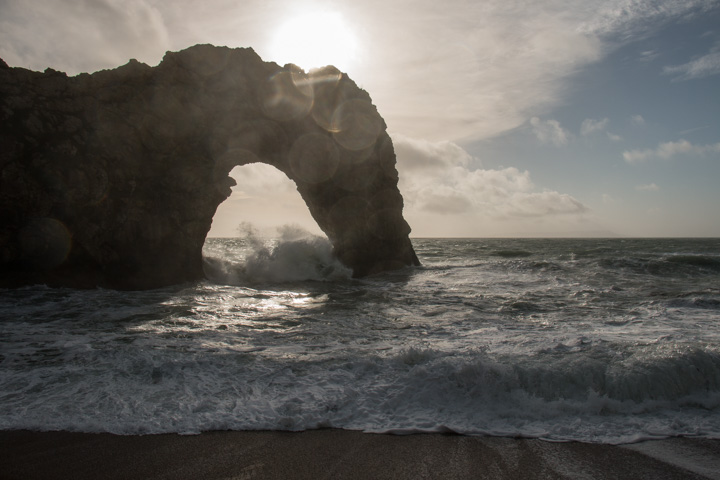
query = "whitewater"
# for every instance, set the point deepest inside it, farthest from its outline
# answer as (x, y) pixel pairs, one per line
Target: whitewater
(595, 340)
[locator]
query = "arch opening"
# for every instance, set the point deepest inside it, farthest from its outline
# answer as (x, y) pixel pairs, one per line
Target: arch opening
(264, 233)
(264, 197)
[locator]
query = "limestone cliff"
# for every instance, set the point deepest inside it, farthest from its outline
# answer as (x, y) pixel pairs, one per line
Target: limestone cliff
(112, 178)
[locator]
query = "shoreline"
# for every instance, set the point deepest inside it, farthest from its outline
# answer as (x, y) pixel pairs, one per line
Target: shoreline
(334, 453)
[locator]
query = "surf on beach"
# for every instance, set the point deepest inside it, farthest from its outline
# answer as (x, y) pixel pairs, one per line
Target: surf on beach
(595, 340)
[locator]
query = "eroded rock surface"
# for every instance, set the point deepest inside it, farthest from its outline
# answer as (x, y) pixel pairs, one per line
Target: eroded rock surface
(112, 178)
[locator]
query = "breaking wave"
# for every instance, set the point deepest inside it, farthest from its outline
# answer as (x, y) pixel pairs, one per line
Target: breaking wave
(654, 392)
(608, 341)
(293, 255)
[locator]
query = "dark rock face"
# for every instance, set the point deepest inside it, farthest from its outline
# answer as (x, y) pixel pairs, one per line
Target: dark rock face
(112, 179)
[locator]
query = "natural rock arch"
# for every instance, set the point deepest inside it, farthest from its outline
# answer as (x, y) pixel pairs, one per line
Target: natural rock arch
(113, 178)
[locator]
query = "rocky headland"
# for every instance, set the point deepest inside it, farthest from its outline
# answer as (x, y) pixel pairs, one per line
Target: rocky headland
(112, 178)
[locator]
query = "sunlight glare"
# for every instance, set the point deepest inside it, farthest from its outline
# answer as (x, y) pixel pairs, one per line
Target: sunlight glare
(315, 40)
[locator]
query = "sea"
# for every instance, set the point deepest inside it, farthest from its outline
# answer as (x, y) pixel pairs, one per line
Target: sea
(595, 340)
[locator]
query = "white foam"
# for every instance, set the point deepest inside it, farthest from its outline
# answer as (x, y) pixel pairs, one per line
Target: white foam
(294, 255)
(174, 384)
(430, 351)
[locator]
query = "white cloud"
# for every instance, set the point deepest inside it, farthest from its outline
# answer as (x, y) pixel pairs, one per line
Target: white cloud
(696, 129)
(608, 199)
(81, 35)
(445, 201)
(651, 187)
(668, 150)
(263, 196)
(463, 189)
(438, 71)
(549, 131)
(648, 56)
(637, 156)
(704, 66)
(426, 155)
(637, 120)
(589, 126)
(632, 19)
(254, 180)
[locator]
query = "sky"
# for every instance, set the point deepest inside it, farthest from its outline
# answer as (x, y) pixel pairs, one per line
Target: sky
(510, 118)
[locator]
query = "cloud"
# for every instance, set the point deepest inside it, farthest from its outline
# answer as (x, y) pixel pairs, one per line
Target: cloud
(589, 126)
(487, 66)
(426, 155)
(608, 199)
(549, 131)
(637, 120)
(454, 70)
(651, 187)
(447, 202)
(254, 180)
(669, 150)
(464, 189)
(263, 196)
(81, 35)
(702, 67)
(632, 19)
(696, 129)
(648, 56)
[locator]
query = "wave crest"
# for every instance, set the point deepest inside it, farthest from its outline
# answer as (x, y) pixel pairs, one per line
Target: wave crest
(293, 255)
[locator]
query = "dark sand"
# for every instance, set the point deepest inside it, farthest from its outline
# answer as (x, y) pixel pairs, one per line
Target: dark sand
(337, 454)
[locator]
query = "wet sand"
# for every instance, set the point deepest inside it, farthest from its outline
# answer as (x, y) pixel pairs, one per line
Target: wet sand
(342, 454)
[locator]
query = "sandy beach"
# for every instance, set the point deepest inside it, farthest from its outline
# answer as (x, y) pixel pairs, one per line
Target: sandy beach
(343, 454)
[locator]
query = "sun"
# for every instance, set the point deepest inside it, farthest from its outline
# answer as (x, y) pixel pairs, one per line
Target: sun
(314, 40)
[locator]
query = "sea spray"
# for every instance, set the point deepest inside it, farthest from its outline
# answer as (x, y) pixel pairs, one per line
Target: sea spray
(292, 255)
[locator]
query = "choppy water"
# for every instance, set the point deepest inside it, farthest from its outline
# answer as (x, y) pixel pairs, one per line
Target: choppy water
(593, 340)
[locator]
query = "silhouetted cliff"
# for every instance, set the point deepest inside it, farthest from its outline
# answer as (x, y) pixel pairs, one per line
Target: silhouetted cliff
(112, 178)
